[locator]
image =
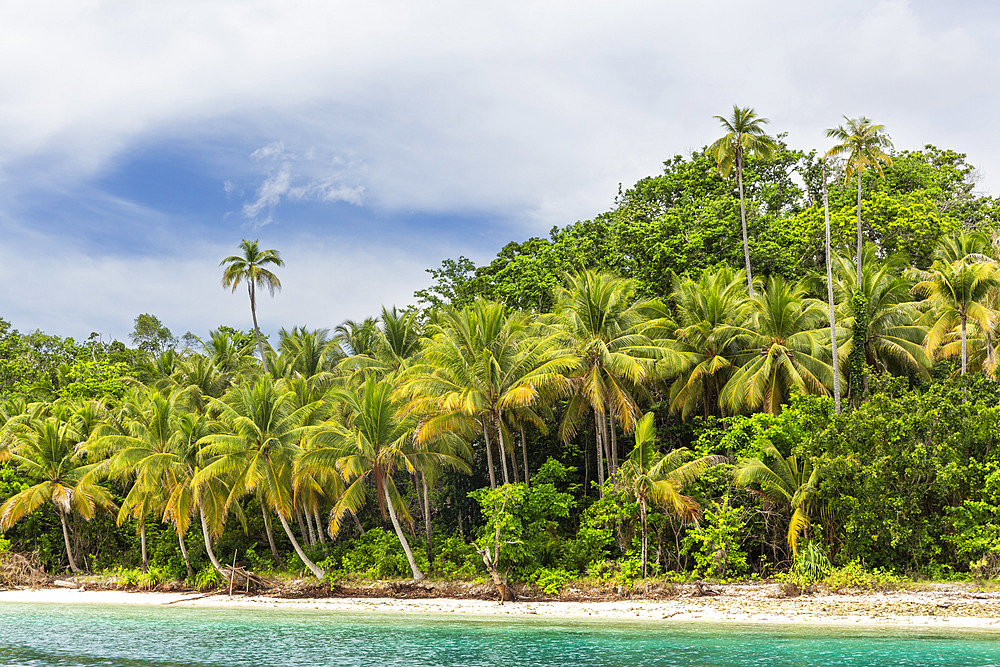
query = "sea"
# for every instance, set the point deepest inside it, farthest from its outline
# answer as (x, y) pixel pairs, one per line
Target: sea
(129, 635)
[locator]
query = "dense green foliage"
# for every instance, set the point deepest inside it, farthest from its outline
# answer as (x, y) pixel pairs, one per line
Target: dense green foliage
(605, 402)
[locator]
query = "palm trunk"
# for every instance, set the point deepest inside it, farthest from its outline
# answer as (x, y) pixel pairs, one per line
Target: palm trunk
(489, 454)
(320, 530)
(417, 574)
(965, 320)
(859, 229)
(614, 441)
(302, 525)
(743, 220)
(600, 451)
(256, 329)
(208, 543)
(524, 453)
(607, 445)
(829, 293)
(270, 533)
(503, 451)
(317, 572)
(142, 545)
(428, 532)
(69, 549)
(645, 534)
(184, 553)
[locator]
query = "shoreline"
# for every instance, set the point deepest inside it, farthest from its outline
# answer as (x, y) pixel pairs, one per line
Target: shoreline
(742, 604)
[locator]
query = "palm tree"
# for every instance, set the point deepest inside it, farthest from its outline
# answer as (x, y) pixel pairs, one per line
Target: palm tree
(480, 363)
(608, 330)
(46, 449)
(392, 343)
(707, 309)
(260, 432)
(958, 291)
(830, 303)
(744, 136)
(373, 439)
(781, 349)
(661, 478)
(865, 144)
(250, 268)
(786, 481)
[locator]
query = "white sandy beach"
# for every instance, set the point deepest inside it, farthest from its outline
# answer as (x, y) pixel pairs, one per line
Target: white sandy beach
(955, 609)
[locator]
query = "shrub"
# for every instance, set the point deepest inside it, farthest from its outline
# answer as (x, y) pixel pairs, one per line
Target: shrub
(551, 580)
(208, 578)
(855, 576)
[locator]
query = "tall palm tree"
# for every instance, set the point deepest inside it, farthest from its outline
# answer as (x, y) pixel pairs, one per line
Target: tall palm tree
(744, 136)
(785, 481)
(258, 441)
(608, 331)
(706, 311)
(958, 292)
(864, 143)
(781, 349)
(251, 268)
(373, 438)
(45, 449)
(830, 303)
(651, 476)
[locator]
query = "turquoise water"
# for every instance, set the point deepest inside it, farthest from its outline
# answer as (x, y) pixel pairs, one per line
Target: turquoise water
(86, 635)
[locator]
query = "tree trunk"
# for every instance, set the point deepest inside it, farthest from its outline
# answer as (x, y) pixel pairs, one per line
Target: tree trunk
(743, 220)
(829, 293)
(357, 524)
(609, 472)
(270, 534)
(142, 545)
(184, 553)
(859, 229)
(503, 451)
(614, 441)
(317, 572)
(208, 543)
(256, 329)
(302, 525)
(320, 529)
(965, 320)
(428, 529)
(600, 452)
(417, 574)
(524, 453)
(645, 534)
(489, 454)
(69, 549)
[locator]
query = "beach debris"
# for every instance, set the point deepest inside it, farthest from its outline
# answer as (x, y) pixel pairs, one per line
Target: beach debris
(62, 583)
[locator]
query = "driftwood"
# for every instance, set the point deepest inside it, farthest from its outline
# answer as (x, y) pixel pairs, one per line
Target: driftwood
(243, 579)
(20, 570)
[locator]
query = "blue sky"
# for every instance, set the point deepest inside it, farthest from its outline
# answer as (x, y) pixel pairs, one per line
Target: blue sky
(140, 142)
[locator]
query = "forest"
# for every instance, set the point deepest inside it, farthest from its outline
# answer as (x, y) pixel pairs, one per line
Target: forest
(762, 362)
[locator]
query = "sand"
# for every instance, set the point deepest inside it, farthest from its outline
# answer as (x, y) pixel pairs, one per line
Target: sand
(938, 607)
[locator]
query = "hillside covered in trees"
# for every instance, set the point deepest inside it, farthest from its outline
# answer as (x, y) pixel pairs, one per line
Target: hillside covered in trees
(614, 401)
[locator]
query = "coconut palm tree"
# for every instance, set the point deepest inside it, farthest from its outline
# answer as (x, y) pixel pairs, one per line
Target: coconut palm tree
(372, 439)
(958, 292)
(781, 348)
(744, 136)
(864, 143)
(651, 476)
(251, 268)
(786, 481)
(830, 303)
(45, 449)
(256, 446)
(706, 311)
(608, 330)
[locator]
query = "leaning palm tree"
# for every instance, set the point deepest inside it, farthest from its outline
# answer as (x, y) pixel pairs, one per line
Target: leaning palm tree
(651, 476)
(958, 293)
(744, 136)
(251, 268)
(785, 481)
(864, 144)
(372, 439)
(45, 449)
(781, 349)
(256, 446)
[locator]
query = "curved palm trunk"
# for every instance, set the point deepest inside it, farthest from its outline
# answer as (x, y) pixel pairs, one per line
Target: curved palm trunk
(184, 553)
(208, 543)
(489, 455)
(319, 573)
(743, 220)
(256, 328)
(69, 549)
(417, 574)
(829, 293)
(524, 453)
(859, 229)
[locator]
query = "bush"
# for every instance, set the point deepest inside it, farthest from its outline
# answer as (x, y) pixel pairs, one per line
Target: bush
(208, 578)
(454, 558)
(716, 544)
(378, 555)
(551, 581)
(855, 576)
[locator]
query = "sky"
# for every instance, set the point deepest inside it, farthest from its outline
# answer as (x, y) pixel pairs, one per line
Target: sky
(141, 141)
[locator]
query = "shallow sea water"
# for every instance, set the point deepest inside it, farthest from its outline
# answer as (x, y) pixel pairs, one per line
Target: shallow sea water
(39, 635)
